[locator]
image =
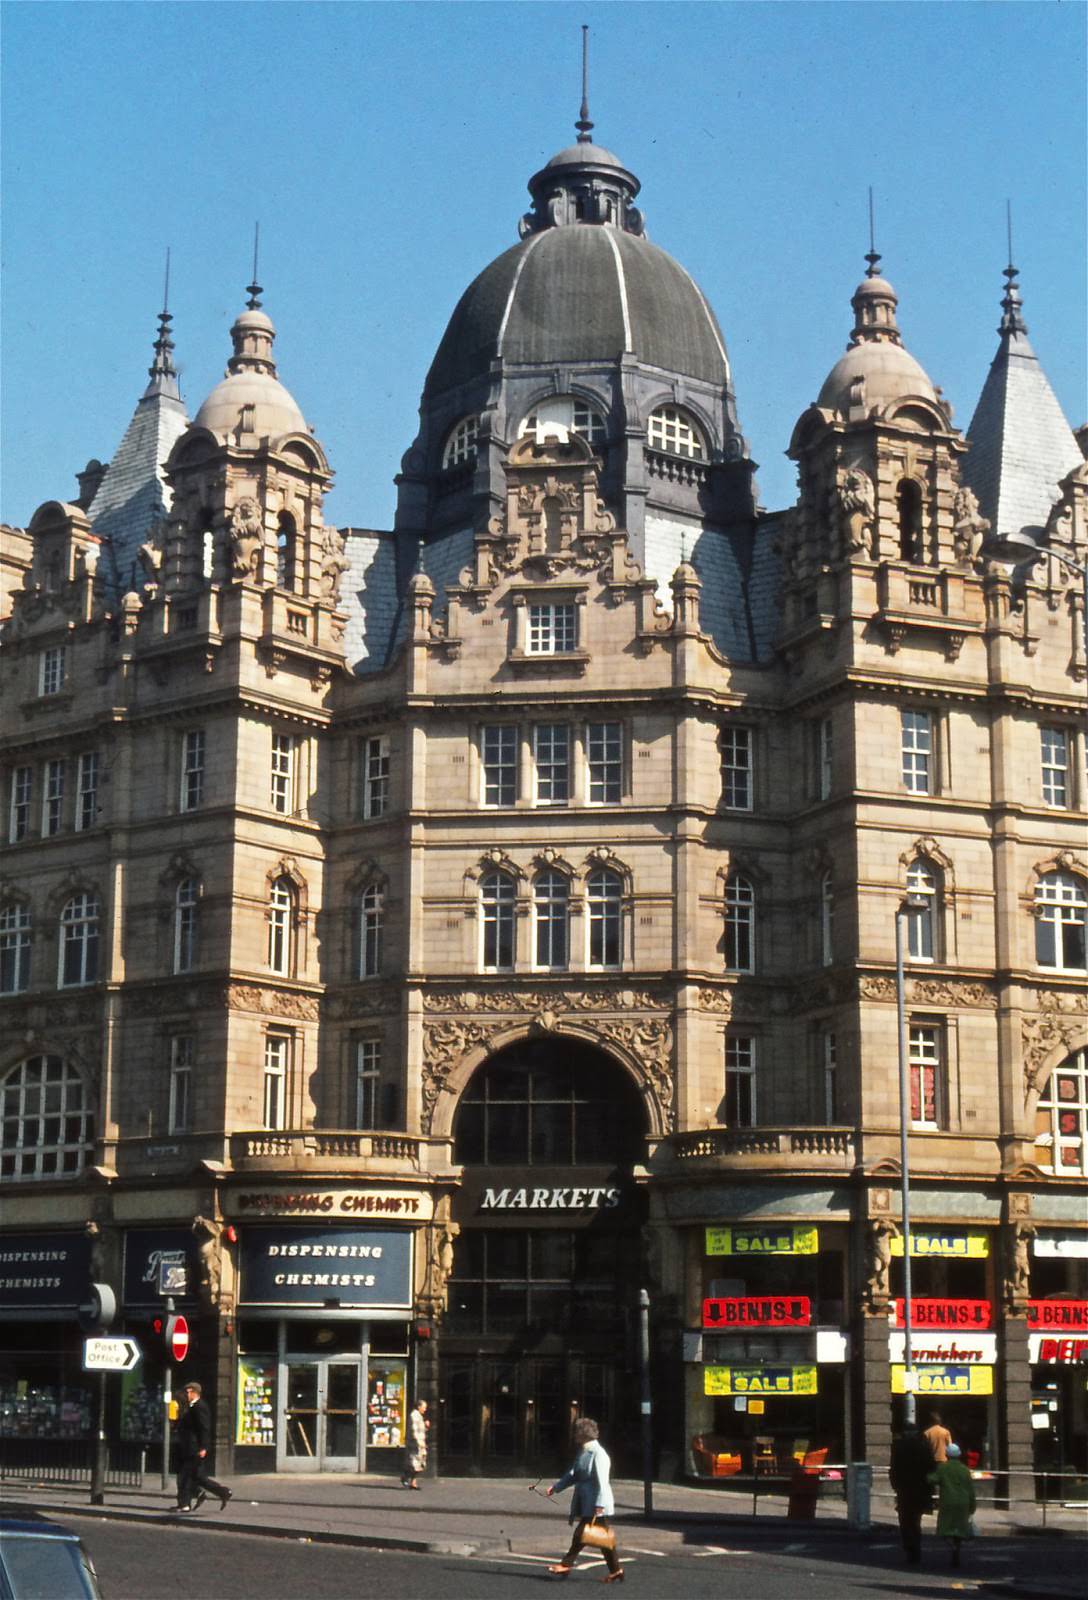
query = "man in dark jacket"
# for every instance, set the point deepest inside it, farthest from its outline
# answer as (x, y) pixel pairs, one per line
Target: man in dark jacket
(911, 1464)
(192, 1441)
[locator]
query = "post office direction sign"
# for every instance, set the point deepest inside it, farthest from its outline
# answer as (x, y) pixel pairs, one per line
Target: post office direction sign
(343, 1268)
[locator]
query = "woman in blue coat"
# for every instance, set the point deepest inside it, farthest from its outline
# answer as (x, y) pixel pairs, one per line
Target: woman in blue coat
(592, 1498)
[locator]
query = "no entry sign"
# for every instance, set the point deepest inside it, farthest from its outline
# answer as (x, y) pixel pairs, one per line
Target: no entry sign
(177, 1338)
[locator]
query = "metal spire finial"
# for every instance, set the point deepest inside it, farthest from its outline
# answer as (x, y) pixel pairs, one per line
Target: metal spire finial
(873, 257)
(163, 366)
(1012, 320)
(254, 289)
(583, 124)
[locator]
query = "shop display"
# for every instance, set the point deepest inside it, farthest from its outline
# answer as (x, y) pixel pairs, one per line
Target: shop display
(141, 1411)
(44, 1411)
(385, 1404)
(256, 1401)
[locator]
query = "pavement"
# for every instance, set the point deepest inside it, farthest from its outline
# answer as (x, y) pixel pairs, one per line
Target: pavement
(471, 1516)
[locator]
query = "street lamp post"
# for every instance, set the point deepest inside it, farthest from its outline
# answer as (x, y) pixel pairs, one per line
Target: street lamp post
(912, 902)
(1021, 550)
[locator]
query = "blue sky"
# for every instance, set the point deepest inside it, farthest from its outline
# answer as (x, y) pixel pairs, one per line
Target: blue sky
(385, 150)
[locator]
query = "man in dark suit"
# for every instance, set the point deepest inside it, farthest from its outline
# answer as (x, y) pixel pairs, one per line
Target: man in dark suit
(192, 1441)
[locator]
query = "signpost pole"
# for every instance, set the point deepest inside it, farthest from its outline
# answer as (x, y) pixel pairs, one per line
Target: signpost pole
(909, 1403)
(167, 1398)
(647, 1404)
(98, 1463)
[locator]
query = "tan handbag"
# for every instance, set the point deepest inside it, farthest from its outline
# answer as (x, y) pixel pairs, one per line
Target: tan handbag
(596, 1537)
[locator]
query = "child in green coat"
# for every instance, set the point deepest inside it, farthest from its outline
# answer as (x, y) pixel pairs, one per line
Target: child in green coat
(955, 1500)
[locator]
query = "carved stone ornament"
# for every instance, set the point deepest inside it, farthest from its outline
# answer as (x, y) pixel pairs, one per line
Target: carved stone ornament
(1018, 1266)
(369, 1000)
(245, 539)
(209, 1260)
(1058, 1025)
(929, 991)
(444, 1045)
(969, 528)
(878, 1260)
(334, 564)
(855, 508)
(273, 1002)
(529, 1001)
(716, 1000)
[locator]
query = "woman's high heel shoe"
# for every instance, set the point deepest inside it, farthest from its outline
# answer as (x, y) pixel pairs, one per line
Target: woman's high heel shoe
(560, 1571)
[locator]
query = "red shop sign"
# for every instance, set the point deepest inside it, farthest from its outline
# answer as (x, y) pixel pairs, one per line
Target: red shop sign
(758, 1311)
(929, 1313)
(1058, 1314)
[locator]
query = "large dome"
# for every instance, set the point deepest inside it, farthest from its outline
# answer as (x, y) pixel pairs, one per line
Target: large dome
(581, 294)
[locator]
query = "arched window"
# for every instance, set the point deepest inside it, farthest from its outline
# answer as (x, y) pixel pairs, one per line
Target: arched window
(740, 924)
(827, 920)
(672, 431)
(497, 896)
(286, 550)
(923, 919)
(186, 929)
(561, 415)
(369, 913)
(281, 909)
(551, 904)
(1061, 908)
(14, 949)
(79, 941)
(461, 444)
(604, 902)
(1061, 1119)
(908, 500)
(45, 1118)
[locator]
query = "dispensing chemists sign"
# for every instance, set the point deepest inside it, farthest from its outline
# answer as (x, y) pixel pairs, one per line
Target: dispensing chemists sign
(349, 1268)
(760, 1380)
(945, 1378)
(766, 1241)
(964, 1246)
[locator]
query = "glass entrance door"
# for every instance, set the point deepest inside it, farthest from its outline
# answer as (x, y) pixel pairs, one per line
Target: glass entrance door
(320, 1431)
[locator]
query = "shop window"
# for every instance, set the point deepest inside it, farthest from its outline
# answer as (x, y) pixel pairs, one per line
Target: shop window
(369, 920)
(673, 432)
(79, 924)
(735, 745)
(45, 1119)
(281, 927)
(498, 894)
(740, 924)
(924, 918)
(927, 1068)
(916, 736)
(53, 798)
(552, 1280)
(181, 1082)
(1061, 1119)
(499, 764)
(374, 777)
(87, 791)
(1061, 908)
(22, 790)
(461, 444)
(14, 948)
(604, 763)
(192, 769)
(604, 903)
(186, 924)
(551, 914)
(1054, 756)
(740, 1082)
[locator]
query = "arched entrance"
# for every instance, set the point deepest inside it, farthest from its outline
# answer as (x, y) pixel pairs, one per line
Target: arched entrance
(540, 1325)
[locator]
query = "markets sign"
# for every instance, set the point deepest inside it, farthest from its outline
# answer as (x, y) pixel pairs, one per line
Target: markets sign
(967, 1246)
(1071, 1314)
(945, 1378)
(759, 1380)
(770, 1241)
(1046, 1347)
(978, 1349)
(43, 1272)
(930, 1313)
(758, 1311)
(330, 1268)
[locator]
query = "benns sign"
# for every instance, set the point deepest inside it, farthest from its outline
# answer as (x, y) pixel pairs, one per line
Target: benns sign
(549, 1199)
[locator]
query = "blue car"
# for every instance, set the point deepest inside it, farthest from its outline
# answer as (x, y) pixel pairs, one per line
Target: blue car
(40, 1560)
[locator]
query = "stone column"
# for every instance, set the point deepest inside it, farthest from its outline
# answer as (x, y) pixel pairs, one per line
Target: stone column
(874, 1391)
(1017, 1454)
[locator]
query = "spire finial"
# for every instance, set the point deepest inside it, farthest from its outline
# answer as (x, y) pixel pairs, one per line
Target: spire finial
(873, 257)
(583, 124)
(1012, 320)
(254, 289)
(162, 371)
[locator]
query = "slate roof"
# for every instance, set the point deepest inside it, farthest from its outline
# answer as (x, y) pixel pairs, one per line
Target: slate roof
(1021, 444)
(377, 616)
(738, 603)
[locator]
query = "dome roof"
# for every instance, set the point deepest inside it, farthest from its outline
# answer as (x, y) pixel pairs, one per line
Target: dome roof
(876, 369)
(251, 382)
(581, 293)
(585, 154)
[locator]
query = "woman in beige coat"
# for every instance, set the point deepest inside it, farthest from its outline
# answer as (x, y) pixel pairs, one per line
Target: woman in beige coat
(415, 1454)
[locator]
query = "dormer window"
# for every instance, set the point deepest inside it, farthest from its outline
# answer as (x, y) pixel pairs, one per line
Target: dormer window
(461, 444)
(672, 431)
(563, 415)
